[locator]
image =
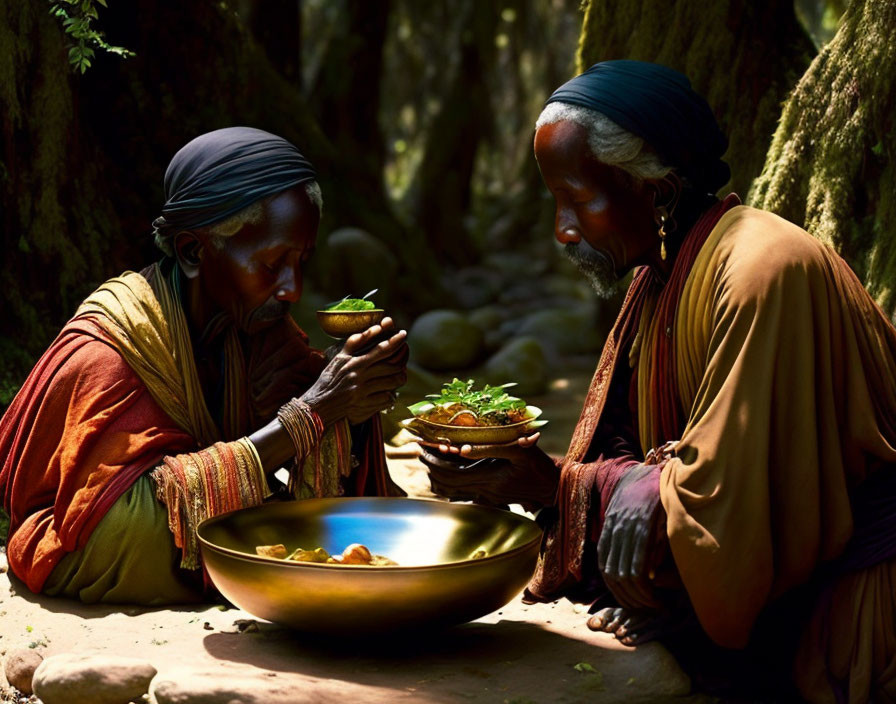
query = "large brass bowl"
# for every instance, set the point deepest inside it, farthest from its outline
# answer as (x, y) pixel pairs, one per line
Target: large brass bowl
(474, 435)
(344, 323)
(438, 581)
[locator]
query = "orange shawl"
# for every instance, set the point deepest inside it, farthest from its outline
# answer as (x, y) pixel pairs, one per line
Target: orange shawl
(85, 426)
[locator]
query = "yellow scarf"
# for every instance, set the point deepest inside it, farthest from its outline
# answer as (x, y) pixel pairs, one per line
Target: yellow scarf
(149, 329)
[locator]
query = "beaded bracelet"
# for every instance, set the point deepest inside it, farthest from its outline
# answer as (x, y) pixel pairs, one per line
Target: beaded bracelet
(303, 425)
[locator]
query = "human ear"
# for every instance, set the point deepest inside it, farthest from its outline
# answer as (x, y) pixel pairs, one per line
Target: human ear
(188, 250)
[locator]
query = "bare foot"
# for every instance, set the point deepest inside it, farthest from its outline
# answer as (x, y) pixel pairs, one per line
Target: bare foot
(634, 627)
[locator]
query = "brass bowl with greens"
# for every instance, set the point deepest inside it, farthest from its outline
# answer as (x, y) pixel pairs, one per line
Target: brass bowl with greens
(461, 414)
(349, 316)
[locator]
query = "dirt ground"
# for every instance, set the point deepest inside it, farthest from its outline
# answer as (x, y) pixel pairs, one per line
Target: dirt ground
(520, 654)
(517, 655)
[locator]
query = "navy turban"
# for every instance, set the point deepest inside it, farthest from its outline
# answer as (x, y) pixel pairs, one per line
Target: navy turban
(222, 172)
(657, 104)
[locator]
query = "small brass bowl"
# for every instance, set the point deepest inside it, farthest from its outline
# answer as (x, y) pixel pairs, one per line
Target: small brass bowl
(343, 323)
(438, 580)
(474, 435)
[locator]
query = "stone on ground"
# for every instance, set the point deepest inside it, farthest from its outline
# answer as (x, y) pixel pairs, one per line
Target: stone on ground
(91, 678)
(523, 361)
(19, 666)
(209, 687)
(444, 339)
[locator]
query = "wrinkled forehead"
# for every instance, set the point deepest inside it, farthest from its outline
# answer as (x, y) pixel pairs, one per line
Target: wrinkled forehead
(289, 219)
(562, 145)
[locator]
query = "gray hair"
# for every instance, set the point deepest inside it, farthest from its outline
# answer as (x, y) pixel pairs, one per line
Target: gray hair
(249, 215)
(609, 143)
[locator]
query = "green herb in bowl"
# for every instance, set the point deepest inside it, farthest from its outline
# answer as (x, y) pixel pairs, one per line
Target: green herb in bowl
(462, 413)
(352, 304)
(349, 316)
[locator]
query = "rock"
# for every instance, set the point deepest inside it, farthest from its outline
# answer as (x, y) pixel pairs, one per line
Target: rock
(19, 666)
(223, 687)
(490, 320)
(570, 330)
(487, 317)
(474, 286)
(444, 339)
(521, 360)
(91, 678)
(358, 262)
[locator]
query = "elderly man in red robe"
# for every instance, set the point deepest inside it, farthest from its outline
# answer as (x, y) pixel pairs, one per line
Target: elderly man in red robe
(175, 393)
(735, 460)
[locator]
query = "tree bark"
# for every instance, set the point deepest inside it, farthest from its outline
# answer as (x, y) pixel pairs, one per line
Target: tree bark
(346, 93)
(55, 228)
(462, 121)
(277, 27)
(743, 57)
(832, 164)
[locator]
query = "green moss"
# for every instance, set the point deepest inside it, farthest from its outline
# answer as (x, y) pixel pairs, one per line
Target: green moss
(831, 165)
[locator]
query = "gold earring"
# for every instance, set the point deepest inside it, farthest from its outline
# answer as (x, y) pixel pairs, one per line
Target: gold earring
(662, 216)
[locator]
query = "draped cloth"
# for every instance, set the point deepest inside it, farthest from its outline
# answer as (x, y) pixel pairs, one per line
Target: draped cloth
(780, 371)
(115, 393)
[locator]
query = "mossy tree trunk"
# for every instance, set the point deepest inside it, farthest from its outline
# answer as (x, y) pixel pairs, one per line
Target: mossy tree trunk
(743, 56)
(56, 230)
(832, 164)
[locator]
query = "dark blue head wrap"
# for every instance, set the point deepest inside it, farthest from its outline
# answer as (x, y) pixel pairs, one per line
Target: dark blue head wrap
(657, 104)
(222, 172)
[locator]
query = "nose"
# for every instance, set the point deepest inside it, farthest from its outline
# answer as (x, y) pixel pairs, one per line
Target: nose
(290, 287)
(567, 233)
(566, 224)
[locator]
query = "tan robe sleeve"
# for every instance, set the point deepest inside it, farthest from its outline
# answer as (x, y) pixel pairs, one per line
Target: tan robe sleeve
(757, 496)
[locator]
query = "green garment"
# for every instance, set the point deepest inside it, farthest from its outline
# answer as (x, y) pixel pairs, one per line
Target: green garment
(130, 557)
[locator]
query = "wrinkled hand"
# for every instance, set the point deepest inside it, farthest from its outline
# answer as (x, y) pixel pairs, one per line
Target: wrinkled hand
(517, 472)
(626, 533)
(280, 367)
(361, 379)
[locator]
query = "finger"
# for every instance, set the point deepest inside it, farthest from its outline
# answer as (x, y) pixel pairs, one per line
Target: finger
(355, 342)
(639, 553)
(624, 554)
(603, 545)
(615, 547)
(508, 451)
(387, 382)
(364, 346)
(375, 401)
(528, 440)
(381, 351)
